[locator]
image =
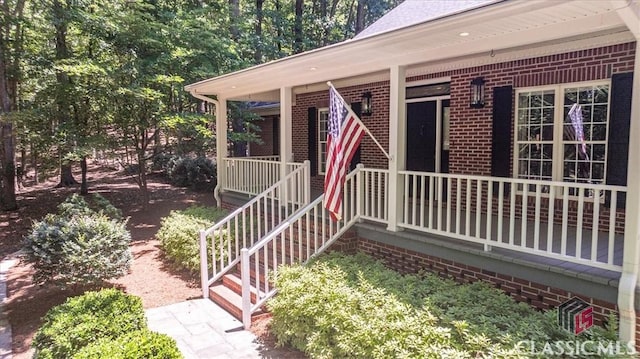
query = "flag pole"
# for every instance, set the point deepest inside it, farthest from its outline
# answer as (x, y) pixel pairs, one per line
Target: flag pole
(358, 117)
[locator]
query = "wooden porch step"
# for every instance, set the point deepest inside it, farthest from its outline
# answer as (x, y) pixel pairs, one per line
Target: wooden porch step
(234, 282)
(227, 294)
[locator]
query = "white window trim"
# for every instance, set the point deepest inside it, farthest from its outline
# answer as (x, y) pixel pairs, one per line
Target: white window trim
(320, 140)
(557, 171)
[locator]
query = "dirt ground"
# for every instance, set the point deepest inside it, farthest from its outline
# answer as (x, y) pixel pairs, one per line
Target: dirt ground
(152, 276)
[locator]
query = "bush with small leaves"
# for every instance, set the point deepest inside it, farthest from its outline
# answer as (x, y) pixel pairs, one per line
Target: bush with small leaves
(76, 205)
(353, 307)
(183, 171)
(135, 345)
(179, 234)
(85, 243)
(82, 320)
(78, 250)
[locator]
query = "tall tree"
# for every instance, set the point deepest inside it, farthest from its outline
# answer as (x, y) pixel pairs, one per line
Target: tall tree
(258, 32)
(360, 16)
(11, 41)
(298, 40)
(60, 15)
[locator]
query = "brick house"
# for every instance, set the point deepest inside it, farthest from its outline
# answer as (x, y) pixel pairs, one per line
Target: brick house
(490, 177)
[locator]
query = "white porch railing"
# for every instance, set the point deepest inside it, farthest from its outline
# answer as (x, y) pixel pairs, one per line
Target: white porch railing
(373, 184)
(306, 234)
(570, 222)
(561, 220)
(220, 245)
(253, 175)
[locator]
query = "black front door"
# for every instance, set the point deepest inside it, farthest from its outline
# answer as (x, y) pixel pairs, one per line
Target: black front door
(421, 136)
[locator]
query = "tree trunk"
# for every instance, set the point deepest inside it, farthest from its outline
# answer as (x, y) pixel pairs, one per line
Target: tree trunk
(62, 97)
(7, 151)
(66, 176)
(258, 29)
(142, 178)
(234, 8)
(84, 187)
(297, 29)
(279, 27)
(8, 187)
(360, 14)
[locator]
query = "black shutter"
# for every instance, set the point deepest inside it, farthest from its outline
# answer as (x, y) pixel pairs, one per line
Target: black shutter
(501, 133)
(357, 108)
(312, 116)
(618, 141)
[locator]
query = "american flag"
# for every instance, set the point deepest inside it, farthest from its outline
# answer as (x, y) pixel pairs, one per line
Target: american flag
(575, 114)
(345, 130)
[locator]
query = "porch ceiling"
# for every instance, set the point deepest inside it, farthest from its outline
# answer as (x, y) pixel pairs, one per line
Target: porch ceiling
(500, 26)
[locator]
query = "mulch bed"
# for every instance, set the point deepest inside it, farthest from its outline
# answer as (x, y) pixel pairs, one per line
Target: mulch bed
(152, 276)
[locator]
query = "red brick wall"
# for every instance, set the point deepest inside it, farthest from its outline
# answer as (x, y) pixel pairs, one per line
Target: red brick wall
(538, 295)
(378, 123)
(268, 147)
(470, 129)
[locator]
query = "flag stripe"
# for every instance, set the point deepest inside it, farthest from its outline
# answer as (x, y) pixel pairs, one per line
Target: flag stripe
(345, 131)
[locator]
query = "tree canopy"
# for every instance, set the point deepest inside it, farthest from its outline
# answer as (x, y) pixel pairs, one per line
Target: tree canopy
(78, 76)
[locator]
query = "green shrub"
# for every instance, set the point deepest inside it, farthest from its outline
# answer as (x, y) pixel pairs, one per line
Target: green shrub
(78, 250)
(76, 205)
(83, 320)
(135, 345)
(352, 306)
(185, 171)
(179, 234)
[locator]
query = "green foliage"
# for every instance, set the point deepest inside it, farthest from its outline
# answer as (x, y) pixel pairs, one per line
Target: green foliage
(75, 205)
(83, 320)
(179, 234)
(80, 244)
(78, 250)
(138, 344)
(184, 171)
(352, 306)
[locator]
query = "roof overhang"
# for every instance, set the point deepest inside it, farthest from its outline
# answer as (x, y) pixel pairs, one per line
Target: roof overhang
(506, 28)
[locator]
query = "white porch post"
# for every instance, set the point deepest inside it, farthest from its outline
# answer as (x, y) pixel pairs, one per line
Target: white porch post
(286, 148)
(221, 145)
(629, 279)
(397, 141)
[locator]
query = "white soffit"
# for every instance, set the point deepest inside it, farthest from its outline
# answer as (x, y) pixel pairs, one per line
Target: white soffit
(512, 27)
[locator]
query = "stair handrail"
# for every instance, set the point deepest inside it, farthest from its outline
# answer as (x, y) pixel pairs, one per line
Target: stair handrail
(245, 253)
(204, 266)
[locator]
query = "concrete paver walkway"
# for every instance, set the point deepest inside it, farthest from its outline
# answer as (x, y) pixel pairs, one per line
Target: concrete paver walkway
(5, 327)
(203, 330)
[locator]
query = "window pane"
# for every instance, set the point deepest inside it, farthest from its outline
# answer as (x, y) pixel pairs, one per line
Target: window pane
(547, 133)
(549, 99)
(601, 94)
(585, 134)
(599, 132)
(535, 134)
(570, 96)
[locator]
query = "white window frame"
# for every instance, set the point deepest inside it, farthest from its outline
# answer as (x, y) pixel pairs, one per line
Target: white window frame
(322, 138)
(558, 141)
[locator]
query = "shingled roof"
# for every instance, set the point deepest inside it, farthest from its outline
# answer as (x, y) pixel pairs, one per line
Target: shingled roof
(412, 12)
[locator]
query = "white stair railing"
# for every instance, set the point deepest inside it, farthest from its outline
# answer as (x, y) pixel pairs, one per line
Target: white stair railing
(305, 234)
(220, 244)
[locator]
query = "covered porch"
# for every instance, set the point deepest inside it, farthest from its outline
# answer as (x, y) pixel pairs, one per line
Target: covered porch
(588, 229)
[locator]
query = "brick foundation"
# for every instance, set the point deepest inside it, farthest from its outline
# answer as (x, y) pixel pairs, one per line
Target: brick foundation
(540, 296)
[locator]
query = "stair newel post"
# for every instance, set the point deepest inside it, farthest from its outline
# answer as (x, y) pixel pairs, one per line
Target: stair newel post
(245, 277)
(307, 182)
(204, 266)
(359, 192)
